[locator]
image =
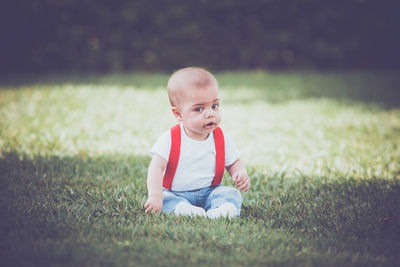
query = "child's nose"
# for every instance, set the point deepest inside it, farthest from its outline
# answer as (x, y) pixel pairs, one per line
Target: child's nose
(209, 113)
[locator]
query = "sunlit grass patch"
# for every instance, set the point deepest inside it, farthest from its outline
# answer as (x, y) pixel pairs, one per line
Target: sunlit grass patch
(321, 149)
(76, 119)
(317, 137)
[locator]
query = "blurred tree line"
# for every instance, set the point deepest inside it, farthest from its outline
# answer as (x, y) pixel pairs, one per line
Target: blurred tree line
(103, 35)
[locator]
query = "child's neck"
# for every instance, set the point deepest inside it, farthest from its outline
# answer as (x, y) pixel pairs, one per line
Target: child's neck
(195, 136)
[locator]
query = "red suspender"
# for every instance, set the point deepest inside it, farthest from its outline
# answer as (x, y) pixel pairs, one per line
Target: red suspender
(173, 156)
(176, 149)
(220, 157)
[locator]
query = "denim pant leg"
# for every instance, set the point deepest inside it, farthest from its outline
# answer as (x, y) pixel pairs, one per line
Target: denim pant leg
(224, 194)
(170, 200)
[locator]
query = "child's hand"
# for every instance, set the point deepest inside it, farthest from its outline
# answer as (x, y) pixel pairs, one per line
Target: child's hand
(153, 204)
(242, 180)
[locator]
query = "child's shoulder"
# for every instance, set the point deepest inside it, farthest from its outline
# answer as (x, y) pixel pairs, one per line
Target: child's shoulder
(165, 136)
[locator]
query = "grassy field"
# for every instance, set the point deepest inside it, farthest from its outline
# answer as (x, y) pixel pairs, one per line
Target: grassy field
(322, 150)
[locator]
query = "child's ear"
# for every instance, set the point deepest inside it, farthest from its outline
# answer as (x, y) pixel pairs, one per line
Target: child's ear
(177, 113)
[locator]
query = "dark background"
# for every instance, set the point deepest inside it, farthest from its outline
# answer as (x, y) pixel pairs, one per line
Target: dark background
(123, 35)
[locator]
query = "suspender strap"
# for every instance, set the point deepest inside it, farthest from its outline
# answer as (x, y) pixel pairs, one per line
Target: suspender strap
(176, 149)
(220, 157)
(173, 156)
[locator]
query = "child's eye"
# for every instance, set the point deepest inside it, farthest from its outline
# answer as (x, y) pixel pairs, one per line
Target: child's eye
(215, 106)
(199, 109)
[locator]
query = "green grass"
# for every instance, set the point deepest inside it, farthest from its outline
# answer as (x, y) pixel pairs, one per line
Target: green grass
(322, 150)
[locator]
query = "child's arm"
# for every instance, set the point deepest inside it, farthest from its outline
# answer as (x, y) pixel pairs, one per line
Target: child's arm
(239, 175)
(154, 184)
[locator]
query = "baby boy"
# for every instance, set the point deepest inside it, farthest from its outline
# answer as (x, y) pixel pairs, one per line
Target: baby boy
(188, 161)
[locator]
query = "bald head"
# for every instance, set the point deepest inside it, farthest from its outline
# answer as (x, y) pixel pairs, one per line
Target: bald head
(182, 81)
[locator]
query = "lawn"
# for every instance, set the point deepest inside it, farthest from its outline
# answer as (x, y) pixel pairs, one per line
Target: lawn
(322, 150)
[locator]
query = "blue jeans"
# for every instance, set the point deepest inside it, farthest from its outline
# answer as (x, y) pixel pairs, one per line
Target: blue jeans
(207, 198)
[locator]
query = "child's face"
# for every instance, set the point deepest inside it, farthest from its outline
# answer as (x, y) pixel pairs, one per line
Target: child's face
(199, 111)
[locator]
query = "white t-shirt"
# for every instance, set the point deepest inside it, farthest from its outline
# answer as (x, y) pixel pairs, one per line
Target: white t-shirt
(196, 167)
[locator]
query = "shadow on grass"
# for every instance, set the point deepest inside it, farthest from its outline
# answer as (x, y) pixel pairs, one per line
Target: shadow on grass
(380, 87)
(360, 215)
(59, 209)
(47, 202)
(138, 80)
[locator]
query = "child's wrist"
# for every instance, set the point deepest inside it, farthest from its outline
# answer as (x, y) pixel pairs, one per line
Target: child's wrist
(156, 197)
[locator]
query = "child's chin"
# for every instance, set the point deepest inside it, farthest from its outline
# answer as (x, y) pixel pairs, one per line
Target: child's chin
(210, 128)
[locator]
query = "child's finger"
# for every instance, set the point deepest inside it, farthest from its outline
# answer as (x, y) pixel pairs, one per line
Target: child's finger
(150, 209)
(147, 210)
(244, 187)
(234, 177)
(240, 181)
(239, 178)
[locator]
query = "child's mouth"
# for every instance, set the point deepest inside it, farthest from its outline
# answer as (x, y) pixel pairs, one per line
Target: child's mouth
(210, 124)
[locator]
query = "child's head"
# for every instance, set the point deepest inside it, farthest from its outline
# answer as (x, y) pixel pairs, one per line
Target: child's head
(193, 93)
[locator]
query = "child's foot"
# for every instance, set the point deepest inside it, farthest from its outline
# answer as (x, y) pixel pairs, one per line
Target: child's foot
(186, 209)
(225, 210)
